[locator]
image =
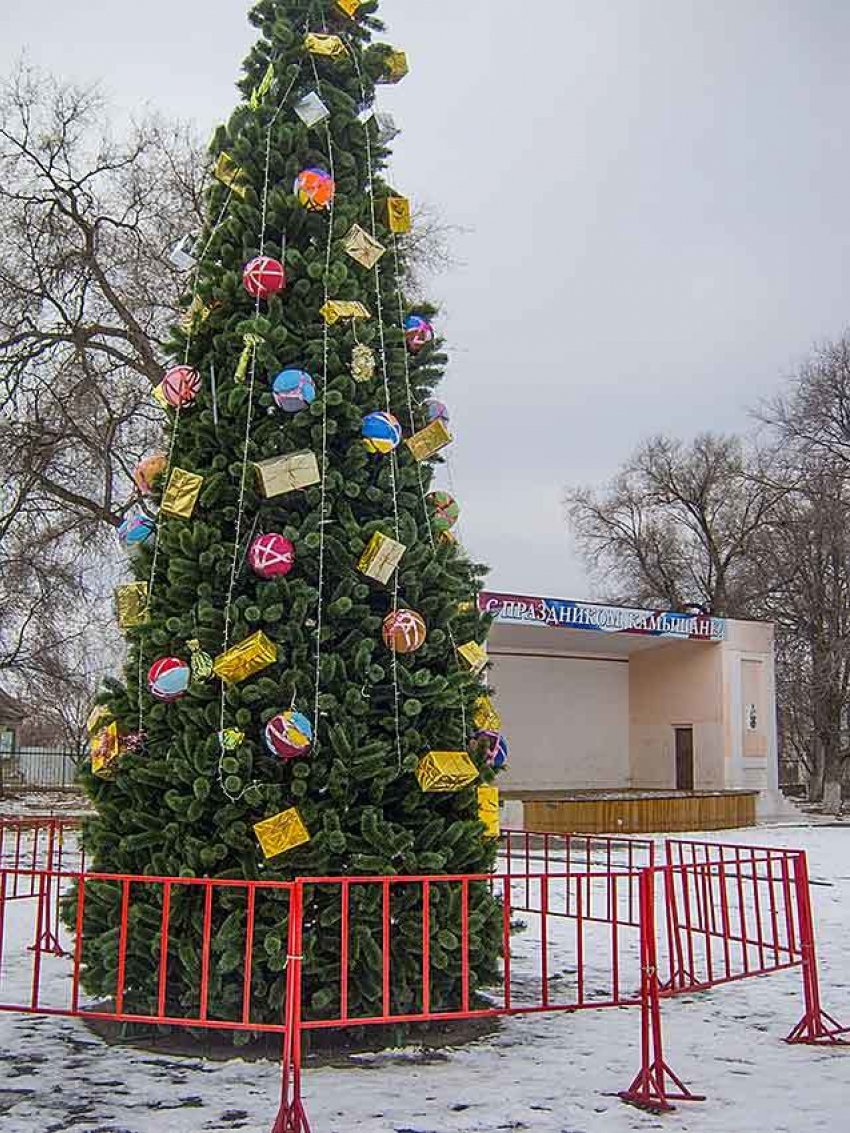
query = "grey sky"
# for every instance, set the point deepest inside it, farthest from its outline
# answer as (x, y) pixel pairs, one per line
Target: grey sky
(657, 193)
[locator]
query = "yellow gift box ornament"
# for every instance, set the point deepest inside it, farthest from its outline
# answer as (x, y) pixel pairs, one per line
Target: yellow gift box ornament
(381, 557)
(444, 771)
(336, 309)
(182, 493)
(98, 718)
(331, 46)
(349, 7)
(428, 441)
(131, 603)
(231, 175)
(281, 832)
(398, 215)
(291, 473)
(362, 247)
(486, 718)
(474, 655)
(250, 656)
(105, 750)
(488, 811)
(395, 66)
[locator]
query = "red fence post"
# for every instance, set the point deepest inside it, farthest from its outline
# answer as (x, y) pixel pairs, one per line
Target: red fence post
(816, 1026)
(656, 1084)
(291, 1118)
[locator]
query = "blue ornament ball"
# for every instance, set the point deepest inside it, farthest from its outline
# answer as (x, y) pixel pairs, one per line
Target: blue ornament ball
(293, 390)
(381, 432)
(418, 332)
(436, 410)
(497, 748)
(135, 531)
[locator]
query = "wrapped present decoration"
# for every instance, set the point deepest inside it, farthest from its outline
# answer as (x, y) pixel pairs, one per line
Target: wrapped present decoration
(486, 718)
(230, 174)
(105, 752)
(250, 656)
(290, 473)
(182, 493)
(488, 811)
(331, 46)
(395, 66)
(474, 656)
(362, 247)
(381, 558)
(98, 718)
(311, 110)
(349, 7)
(444, 771)
(398, 215)
(336, 309)
(131, 603)
(428, 441)
(363, 363)
(282, 832)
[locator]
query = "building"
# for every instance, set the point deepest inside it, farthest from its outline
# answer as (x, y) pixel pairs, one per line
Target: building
(599, 699)
(12, 718)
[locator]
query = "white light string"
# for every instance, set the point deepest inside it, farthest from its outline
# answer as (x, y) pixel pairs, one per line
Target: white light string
(386, 380)
(240, 508)
(323, 519)
(408, 385)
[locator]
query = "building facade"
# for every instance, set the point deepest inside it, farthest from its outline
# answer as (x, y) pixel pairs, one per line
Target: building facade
(605, 698)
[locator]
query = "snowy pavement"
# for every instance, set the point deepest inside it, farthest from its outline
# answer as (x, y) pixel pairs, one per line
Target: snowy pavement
(547, 1073)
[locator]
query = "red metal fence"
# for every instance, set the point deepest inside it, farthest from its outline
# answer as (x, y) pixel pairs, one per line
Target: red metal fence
(604, 925)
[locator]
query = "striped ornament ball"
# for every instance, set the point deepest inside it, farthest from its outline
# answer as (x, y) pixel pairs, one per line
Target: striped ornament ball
(181, 385)
(271, 556)
(264, 277)
(404, 631)
(293, 390)
(381, 432)
(289, 735)
(169, 679)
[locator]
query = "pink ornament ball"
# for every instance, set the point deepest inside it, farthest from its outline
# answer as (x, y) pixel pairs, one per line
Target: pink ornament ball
(264, 277)
(169, 679)
(181, 386)
(418, 332)
(271, 556)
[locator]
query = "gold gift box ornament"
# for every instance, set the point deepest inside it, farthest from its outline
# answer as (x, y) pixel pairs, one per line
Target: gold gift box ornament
(336, 309)
(290, 473)
(363, 248)
(331, 46)
(131, 604)
(231, 175)
(98, 718)
(242, 661)
(398, 215)
(488, 811)
(105, 750)
(445, 771)
(349, 7)
(182, 493)
(281, 832)
(474, 655)
(485, 717)
(428, 441)
(396, 66)
(381, 557)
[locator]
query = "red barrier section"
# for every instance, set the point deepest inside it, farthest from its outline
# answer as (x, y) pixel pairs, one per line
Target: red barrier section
(619, 931)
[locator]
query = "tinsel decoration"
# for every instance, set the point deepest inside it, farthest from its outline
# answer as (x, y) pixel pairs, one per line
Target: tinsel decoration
(363, 363)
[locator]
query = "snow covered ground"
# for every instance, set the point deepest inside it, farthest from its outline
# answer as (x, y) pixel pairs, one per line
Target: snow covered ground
(547, 1073)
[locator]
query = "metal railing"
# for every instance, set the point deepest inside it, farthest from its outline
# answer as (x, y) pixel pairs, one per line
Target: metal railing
(38, 769)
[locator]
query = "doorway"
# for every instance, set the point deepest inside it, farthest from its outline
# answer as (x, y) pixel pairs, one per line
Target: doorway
(684, 759)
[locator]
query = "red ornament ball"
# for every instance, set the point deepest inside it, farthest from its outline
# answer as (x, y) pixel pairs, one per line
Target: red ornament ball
(271, 556)
(181, 386)
(289, 735)
(169, 679)
(404, 631)
(264, 277)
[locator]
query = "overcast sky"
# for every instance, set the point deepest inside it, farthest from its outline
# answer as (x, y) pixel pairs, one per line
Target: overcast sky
(657, 199)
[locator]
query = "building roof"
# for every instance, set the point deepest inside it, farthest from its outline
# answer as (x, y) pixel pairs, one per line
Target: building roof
(11, 709)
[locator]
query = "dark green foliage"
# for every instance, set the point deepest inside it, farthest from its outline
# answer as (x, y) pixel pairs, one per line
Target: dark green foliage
(167, 812)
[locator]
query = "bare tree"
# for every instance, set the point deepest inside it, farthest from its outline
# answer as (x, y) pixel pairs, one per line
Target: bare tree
(678, 525)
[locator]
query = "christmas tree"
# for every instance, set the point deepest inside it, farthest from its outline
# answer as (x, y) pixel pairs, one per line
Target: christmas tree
(303, 692)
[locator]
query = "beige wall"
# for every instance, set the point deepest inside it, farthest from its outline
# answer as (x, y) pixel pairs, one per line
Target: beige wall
(566, 720)
(679, 684)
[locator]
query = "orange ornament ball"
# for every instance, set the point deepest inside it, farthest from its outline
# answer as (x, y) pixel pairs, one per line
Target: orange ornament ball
(404, 631)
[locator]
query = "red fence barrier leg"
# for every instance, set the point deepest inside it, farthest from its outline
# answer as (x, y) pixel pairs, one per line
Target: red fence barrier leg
(816, 1026)
(291, 1118)
(655, 1086)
